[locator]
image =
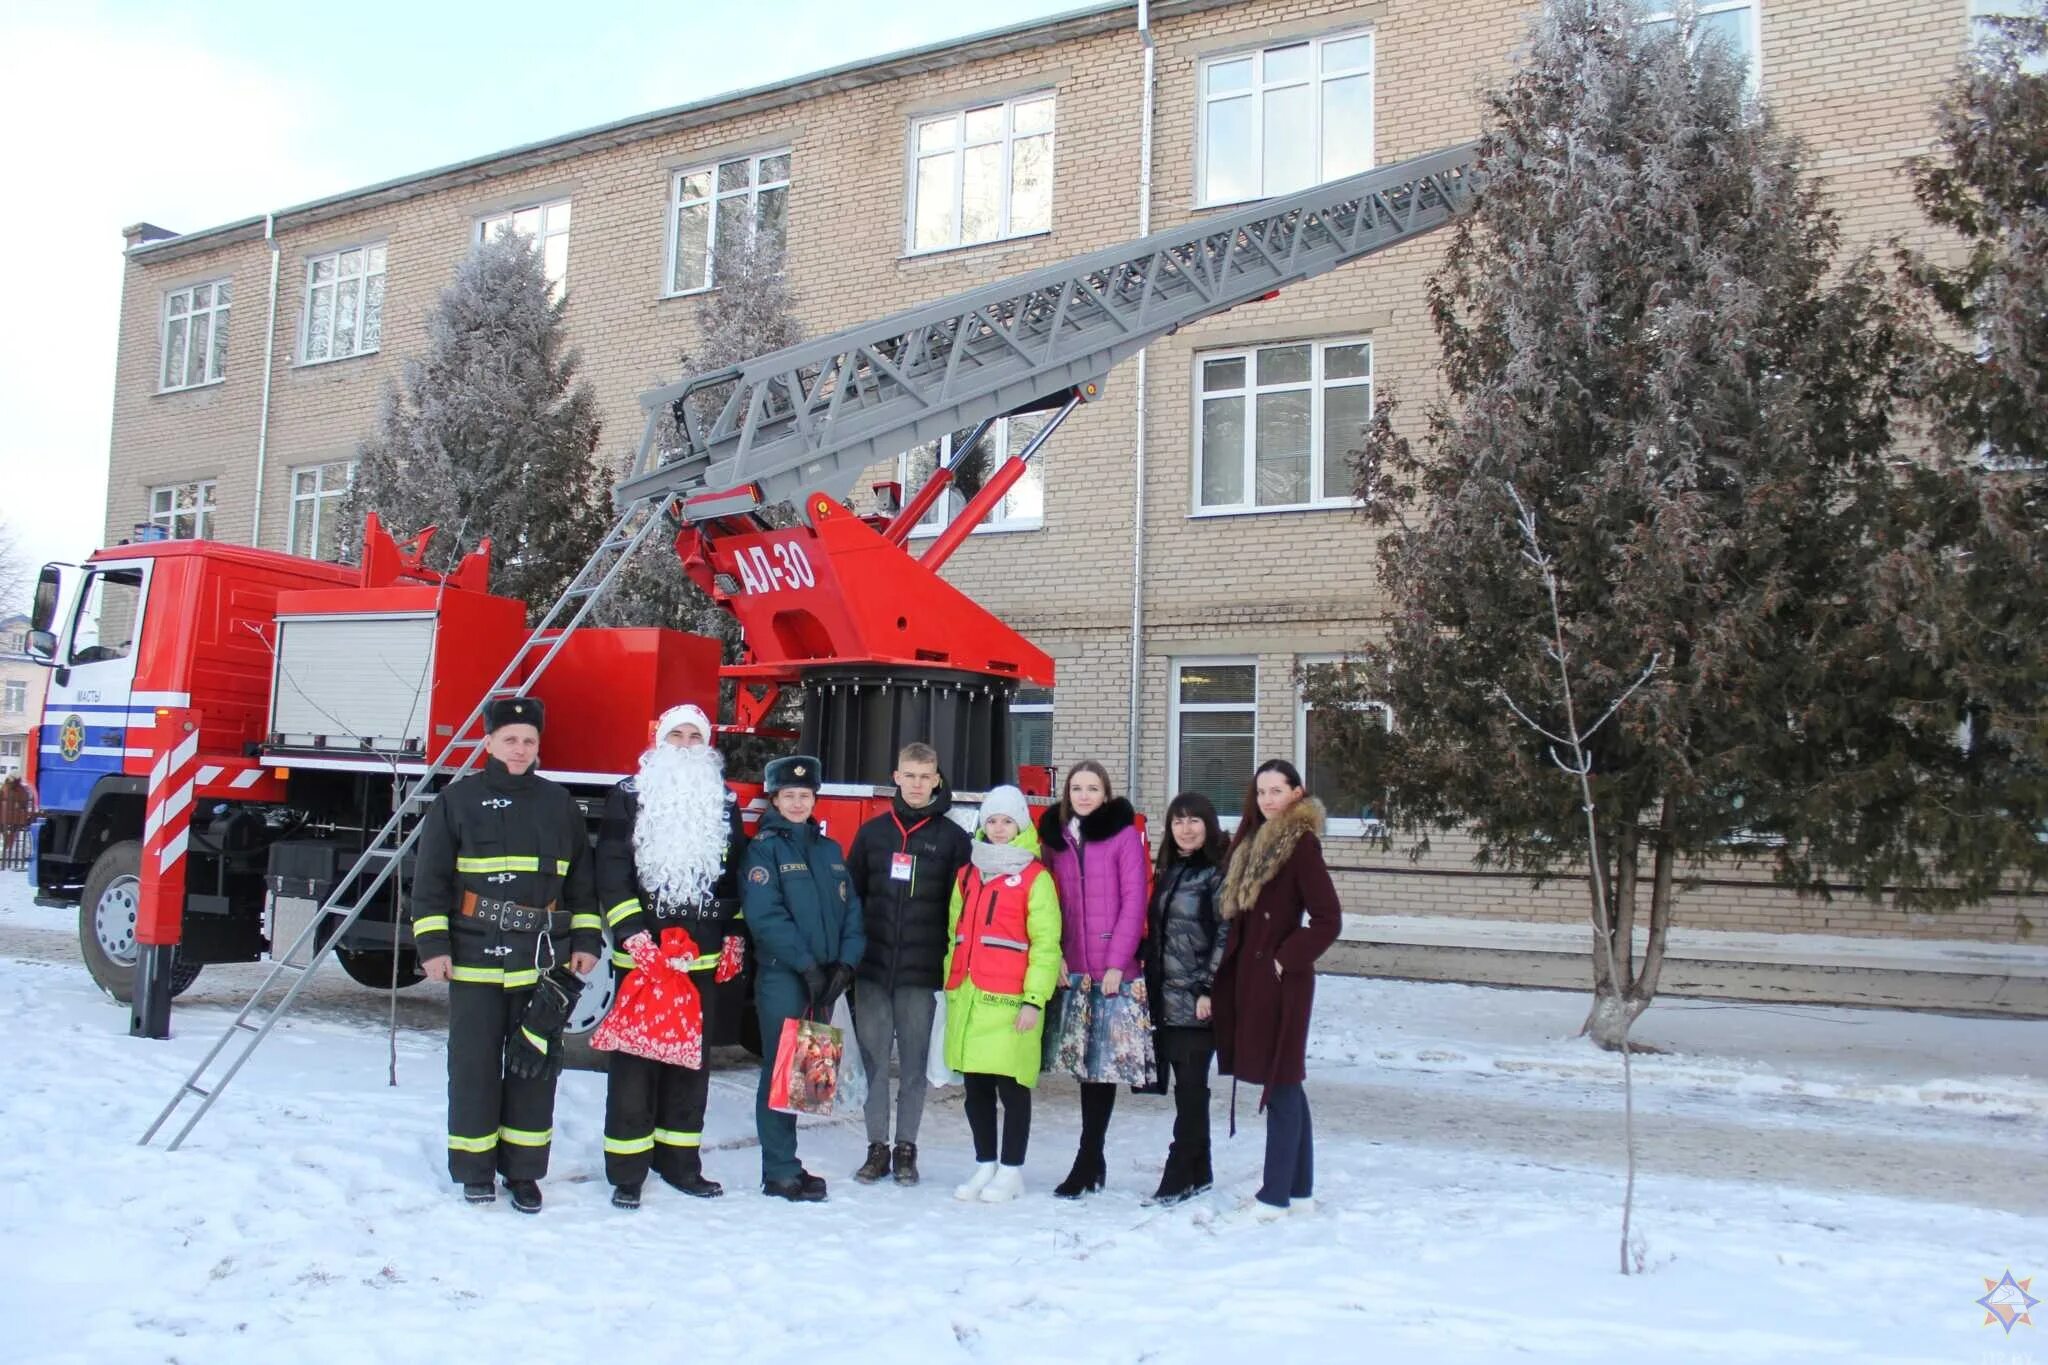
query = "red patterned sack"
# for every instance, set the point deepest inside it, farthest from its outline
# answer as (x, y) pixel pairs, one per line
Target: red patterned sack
(658, 1014)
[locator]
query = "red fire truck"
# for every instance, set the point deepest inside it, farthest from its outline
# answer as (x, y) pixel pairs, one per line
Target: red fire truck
(237, 743)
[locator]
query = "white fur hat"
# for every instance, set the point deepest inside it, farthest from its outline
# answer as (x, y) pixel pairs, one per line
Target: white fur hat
(1006, 801)
(686, 714)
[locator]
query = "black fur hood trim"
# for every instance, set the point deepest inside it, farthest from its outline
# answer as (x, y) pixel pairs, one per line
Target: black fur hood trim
(1106, 821)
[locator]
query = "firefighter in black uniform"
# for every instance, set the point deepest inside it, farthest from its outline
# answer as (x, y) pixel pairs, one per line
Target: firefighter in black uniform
(502, 900)
(668, 854)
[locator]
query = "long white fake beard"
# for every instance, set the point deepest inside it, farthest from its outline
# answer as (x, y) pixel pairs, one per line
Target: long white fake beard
(679, 834)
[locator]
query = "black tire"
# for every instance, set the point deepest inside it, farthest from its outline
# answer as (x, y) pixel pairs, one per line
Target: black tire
(106, 924)
(372, 967)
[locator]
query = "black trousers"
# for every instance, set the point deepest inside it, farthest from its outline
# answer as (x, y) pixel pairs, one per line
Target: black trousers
(1185, 1054)
(1098, 1102)
(982, 1092)
(653, 1117)
(1290, 1147)
(497, 1124)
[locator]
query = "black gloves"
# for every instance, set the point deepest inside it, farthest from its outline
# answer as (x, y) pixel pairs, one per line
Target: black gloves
(533, 1047)
(838, 980)
(816, 980)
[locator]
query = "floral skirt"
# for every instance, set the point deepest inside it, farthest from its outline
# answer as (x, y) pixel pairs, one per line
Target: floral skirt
(1096, 1037)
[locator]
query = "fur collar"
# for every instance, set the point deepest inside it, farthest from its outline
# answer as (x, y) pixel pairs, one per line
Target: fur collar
(1106, 821)
(1255, 864)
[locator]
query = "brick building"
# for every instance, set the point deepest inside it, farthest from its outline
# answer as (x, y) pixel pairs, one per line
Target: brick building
(22, 684)
(253, 355)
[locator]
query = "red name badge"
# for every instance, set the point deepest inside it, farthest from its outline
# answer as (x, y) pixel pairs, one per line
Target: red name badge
(899, 867)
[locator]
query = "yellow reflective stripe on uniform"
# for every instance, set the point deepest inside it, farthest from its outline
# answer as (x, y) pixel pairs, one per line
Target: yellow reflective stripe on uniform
(496, 976)
(539, 1043)
(470, 1144)
(583, 921)
(526, 1137)
(669, 1138)
(628, 1146)
(738, 915)
(706, 961)
(561, 867)
(430, 924)
(506, 864)
(622, 958)
(622, 910)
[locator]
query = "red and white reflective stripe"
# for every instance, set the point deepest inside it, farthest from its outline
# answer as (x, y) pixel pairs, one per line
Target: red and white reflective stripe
(167, 806)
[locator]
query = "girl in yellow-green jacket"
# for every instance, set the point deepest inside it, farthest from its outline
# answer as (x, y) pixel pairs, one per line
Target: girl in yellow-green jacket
(1002, 966)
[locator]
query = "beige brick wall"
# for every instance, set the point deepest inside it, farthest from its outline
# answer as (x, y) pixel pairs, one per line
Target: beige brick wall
(1856, 78)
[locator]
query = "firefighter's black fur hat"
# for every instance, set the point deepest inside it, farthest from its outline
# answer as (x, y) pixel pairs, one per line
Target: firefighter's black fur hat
(793, 770)
(513, 711)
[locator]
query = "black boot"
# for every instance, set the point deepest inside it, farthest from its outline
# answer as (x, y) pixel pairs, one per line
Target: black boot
(904, 1160)
(480, 1192)
(803, 1188)
(525, 1195)
(687, 1175)
(1086, 1177)
(876, 1166)
(1175, 1183)
(626, 1196)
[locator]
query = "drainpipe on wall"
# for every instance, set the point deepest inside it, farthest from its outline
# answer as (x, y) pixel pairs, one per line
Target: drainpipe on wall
(1134, 716)
(263, 413)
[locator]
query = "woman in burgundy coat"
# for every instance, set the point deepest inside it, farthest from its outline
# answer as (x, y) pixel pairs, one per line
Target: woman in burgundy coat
(1283, 914)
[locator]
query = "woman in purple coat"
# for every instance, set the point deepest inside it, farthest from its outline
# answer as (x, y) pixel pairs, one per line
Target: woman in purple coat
(1283, 914)
(1103, 1030)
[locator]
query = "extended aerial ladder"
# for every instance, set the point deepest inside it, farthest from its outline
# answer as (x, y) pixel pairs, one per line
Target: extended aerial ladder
(882, 643)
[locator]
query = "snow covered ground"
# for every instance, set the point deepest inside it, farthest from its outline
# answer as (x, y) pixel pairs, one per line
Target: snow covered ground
(1819, 1184)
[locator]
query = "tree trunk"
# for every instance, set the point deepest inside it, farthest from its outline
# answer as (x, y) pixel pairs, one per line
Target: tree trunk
(1615, 1003)
(1662, 879)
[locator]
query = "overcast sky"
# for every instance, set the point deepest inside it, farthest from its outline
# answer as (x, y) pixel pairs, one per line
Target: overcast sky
(188, 115)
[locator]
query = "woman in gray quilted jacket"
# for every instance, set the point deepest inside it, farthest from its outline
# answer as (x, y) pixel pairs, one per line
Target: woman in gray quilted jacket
(1184, 944)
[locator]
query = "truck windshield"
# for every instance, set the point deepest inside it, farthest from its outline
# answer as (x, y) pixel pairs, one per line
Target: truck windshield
(106, 616)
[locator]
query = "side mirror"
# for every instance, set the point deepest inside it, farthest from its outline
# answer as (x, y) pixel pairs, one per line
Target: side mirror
(42, 646)
(49, 583)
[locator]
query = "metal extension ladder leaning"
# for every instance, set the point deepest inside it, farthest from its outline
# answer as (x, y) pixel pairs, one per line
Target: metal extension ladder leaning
(360, 884)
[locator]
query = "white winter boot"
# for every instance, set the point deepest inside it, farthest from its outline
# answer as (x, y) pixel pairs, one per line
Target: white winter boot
(984, 1172)
(1008, 1184)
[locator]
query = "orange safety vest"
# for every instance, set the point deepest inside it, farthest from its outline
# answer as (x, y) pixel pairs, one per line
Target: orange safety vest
(992, 943)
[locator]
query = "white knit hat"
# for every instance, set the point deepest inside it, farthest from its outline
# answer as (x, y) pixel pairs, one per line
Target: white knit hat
(1006, 801)
(686, 714)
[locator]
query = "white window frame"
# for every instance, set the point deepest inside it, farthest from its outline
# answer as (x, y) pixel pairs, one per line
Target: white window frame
(1339, 825)
(1007, 139)
(1257, 92)
(196, 502)
(377, 251)
(14, 697)
(321, 503)
(751, 192)
(555, 221)
(1664, 14)
(220, 299)
(1316, 385)
(1176, 708)
(952, 504)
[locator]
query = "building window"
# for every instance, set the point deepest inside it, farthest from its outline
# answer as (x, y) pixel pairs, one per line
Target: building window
(1021, 509)
(1031, 727)
(1356, 802)
(344, 304)
(317, 494)
(12, 752)
(14, 698)
(1731, 21)
(716, 213)
(183, 511)
(1215, 727)
(195, 336)
(981, 174)
(1286, 117)
(547, 225)
(1279, 424)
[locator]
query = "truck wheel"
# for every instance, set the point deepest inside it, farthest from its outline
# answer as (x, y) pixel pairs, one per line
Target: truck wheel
(106, 924)
(372, 967)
